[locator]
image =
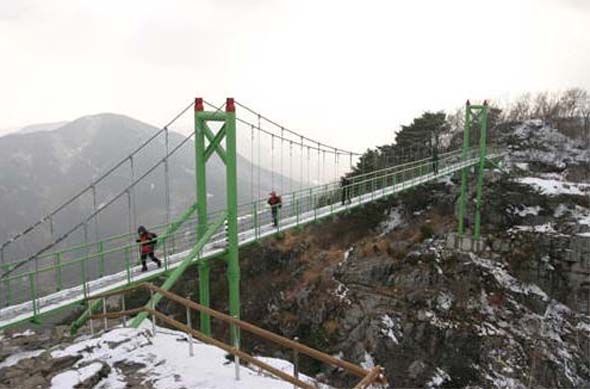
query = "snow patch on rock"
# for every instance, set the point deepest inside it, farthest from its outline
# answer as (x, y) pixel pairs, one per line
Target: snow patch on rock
(553, 187)
(440, 377)
(391, 328)
(368, 362)
(506, 280)
(16, 358)
(393, 221)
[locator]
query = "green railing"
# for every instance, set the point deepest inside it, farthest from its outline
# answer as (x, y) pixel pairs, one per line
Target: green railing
(46, 281)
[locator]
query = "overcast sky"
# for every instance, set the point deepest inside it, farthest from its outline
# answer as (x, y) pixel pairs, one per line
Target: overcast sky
(347, 72)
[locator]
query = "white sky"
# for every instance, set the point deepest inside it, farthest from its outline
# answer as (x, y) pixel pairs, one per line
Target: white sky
(346, 72)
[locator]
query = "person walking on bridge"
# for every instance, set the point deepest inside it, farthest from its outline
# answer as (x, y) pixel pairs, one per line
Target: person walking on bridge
(147, 241)
(435, 160)
(345, 185)
(275, 203)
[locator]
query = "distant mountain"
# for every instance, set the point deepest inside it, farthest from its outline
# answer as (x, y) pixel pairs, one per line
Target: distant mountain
(39, 170)
(41, 127)
(8, 130)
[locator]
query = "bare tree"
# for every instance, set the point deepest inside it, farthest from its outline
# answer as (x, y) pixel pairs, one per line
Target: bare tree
(521, 108)
(572, 101)
(546, 106)
(456, 119)
(584, 110)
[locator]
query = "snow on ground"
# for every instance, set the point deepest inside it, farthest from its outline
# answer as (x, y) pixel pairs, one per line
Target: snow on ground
(440, 376)
(444, 301)
(71, 378)
(341, 292)
(368, 362)
(391, 328)
(393, 221)
(546, 228)
(506, 280)
(15, 358)
(434, 320)
(526, 211)
(553, 187)
(502, 382)
(348, 252)
(581, 326)
(580, 214)
(27, 332)
(163, 361)
(537, 141)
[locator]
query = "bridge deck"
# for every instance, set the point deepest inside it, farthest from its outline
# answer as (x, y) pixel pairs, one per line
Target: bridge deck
(251, 229)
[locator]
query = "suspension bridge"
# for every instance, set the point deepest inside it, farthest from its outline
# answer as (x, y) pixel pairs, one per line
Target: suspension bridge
(70, 265)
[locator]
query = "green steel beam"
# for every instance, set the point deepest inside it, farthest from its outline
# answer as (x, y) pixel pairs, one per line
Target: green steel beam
(215, 145)
(464, 171)
(211, 137)
(217, 116)
(482, 162)
(176, 273)
(201, 179)
(233, 265)
(83, 318)
(227, 131)
(175, 225)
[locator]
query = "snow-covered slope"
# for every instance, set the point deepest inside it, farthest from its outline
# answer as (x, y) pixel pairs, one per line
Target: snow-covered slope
(557, 168)
(126, 357)
(539, 142)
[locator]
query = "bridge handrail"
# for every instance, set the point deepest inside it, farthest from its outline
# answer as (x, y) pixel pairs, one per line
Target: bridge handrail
(95, 243)
(318, 189)
(404, 164)
(79, 260)
(458, 151)
(125, 246)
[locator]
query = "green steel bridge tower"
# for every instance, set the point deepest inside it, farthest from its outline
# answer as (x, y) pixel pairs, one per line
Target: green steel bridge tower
(228, 155)
(475, 115)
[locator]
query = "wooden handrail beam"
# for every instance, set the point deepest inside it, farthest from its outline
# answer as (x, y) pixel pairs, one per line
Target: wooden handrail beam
(368, 377)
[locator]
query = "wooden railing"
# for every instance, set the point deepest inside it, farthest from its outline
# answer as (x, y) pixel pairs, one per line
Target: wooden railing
(368, 377)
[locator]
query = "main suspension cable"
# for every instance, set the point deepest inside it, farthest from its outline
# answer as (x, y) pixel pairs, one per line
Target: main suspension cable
(293, 132)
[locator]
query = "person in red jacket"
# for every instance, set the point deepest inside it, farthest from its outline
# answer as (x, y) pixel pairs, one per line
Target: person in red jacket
(275, 203)
(147, 241)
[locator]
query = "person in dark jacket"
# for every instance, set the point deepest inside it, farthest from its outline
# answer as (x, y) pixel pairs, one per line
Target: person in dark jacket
(345, 185)
(275, 203)
(147, 241)
(435, 160)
